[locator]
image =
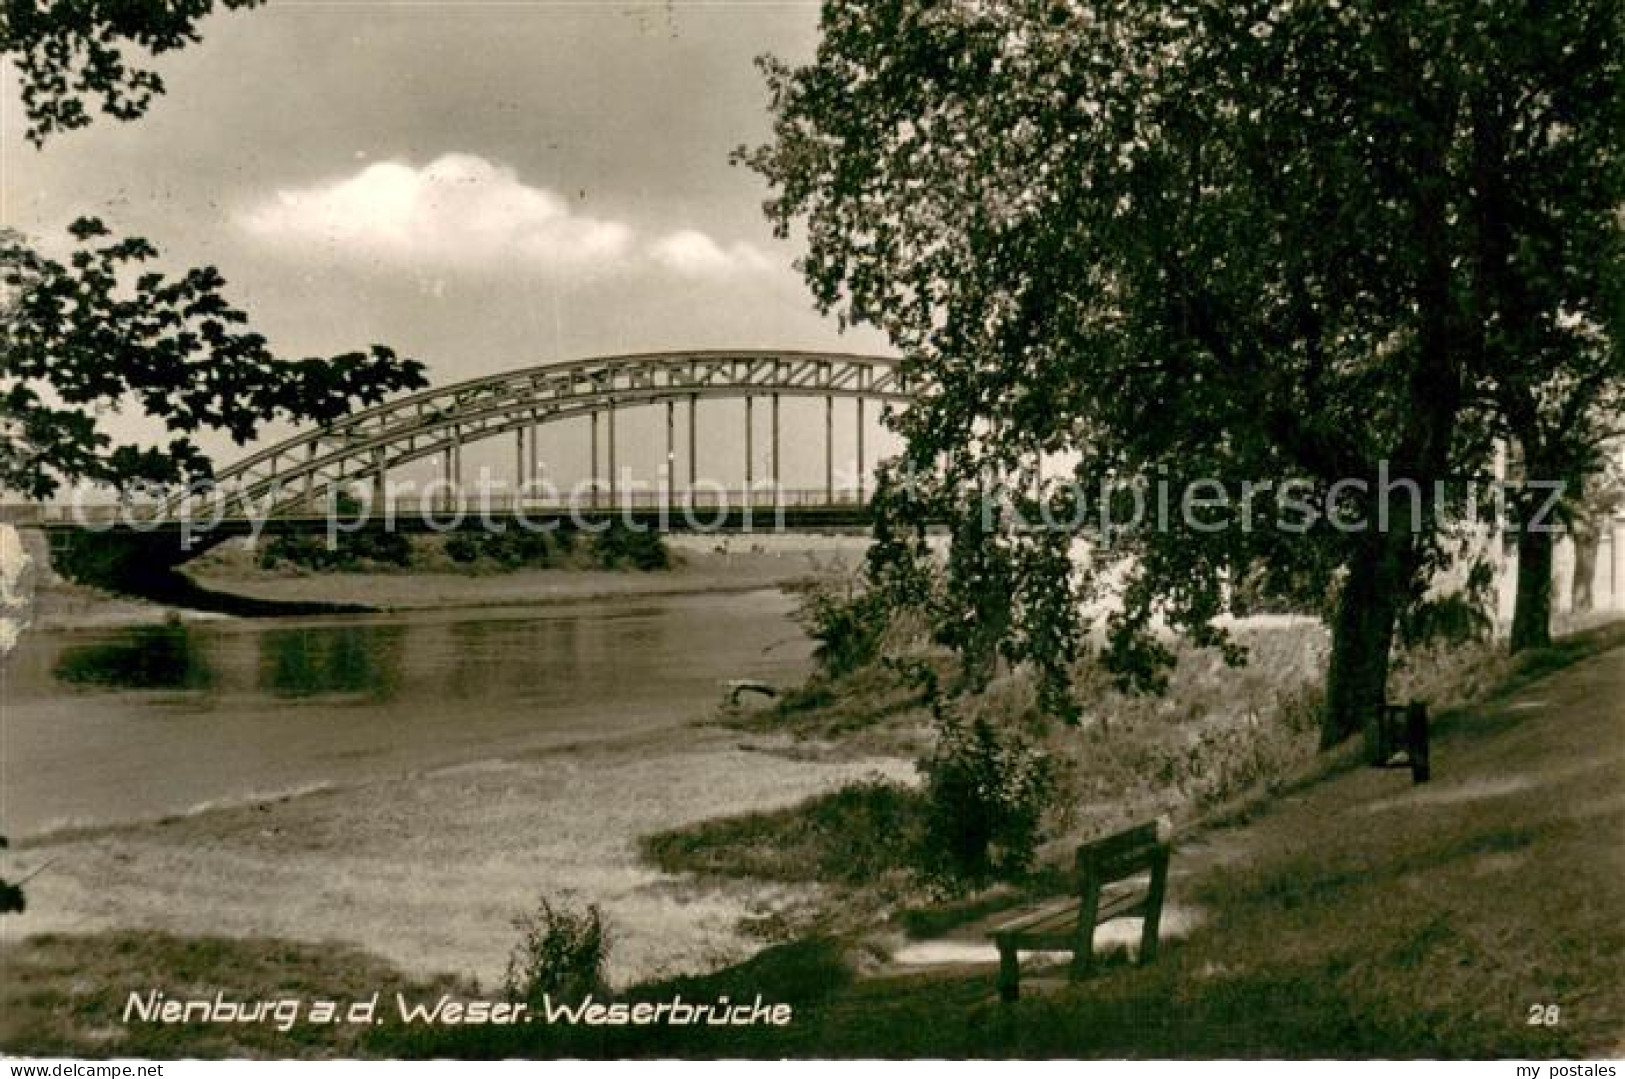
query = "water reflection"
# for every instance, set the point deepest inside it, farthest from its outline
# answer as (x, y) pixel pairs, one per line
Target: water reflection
(355, 660)
(130, 723)
(146, 657)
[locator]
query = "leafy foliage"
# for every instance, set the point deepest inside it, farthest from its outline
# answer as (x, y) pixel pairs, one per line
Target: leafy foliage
(68, 51)
(845, 621)
(103, 331)
(1458, 616)
(350, 550)
(1192, 240)
(561, 953)
(514, 548)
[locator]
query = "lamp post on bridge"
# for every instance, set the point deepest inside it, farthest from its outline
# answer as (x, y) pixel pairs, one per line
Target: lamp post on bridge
(609, 419)
(693, 443)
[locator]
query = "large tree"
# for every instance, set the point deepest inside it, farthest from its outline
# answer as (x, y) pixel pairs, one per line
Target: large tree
(1594, 512)
(1548, 167)
(1246, 241)
(1562, 480)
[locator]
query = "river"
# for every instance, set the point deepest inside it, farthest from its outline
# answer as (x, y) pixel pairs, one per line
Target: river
(113, 726)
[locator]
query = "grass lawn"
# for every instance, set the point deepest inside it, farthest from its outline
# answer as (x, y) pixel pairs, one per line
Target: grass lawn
(1357, 917)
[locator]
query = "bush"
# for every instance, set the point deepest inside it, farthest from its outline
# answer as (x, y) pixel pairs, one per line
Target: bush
(619, 545)
(463, 548)
(986, 794)
(517, 548)
(857, 835)
(513, 548)
(561, 954)
(349, 551)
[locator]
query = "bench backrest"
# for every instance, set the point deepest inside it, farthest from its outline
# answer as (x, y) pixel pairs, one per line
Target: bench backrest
(1121, 855)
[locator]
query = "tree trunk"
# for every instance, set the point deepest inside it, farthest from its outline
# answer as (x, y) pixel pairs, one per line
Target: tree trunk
(1363, 636)
(1587, 539)
(1532, 614)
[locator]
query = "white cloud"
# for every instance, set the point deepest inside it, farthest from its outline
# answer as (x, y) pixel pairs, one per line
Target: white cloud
(461, 212)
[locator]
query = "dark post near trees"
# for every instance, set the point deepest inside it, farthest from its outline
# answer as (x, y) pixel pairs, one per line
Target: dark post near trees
(1244, 243)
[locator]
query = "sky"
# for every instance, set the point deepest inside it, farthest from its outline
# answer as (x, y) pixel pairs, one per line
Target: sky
(480, 185)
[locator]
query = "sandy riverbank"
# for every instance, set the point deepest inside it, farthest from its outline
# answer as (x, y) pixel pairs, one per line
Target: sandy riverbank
(701, 564)
(429, 869)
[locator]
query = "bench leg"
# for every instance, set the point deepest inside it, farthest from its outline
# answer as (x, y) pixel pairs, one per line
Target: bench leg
(1083, 946)
(1009, 973)
(1150, 933)
(1416, 741)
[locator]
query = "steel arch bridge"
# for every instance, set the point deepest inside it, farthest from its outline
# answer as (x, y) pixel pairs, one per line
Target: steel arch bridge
(363, 447)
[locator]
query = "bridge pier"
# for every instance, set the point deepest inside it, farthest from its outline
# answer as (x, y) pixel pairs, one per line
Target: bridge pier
(750, 449)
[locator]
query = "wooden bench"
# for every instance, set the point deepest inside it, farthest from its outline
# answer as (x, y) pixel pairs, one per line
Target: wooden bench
(1069, 924)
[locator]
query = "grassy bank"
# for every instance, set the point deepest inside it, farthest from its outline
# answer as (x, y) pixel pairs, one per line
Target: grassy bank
(1218, 744)
(66, 995)
(1358, 917)
(1355, 916)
